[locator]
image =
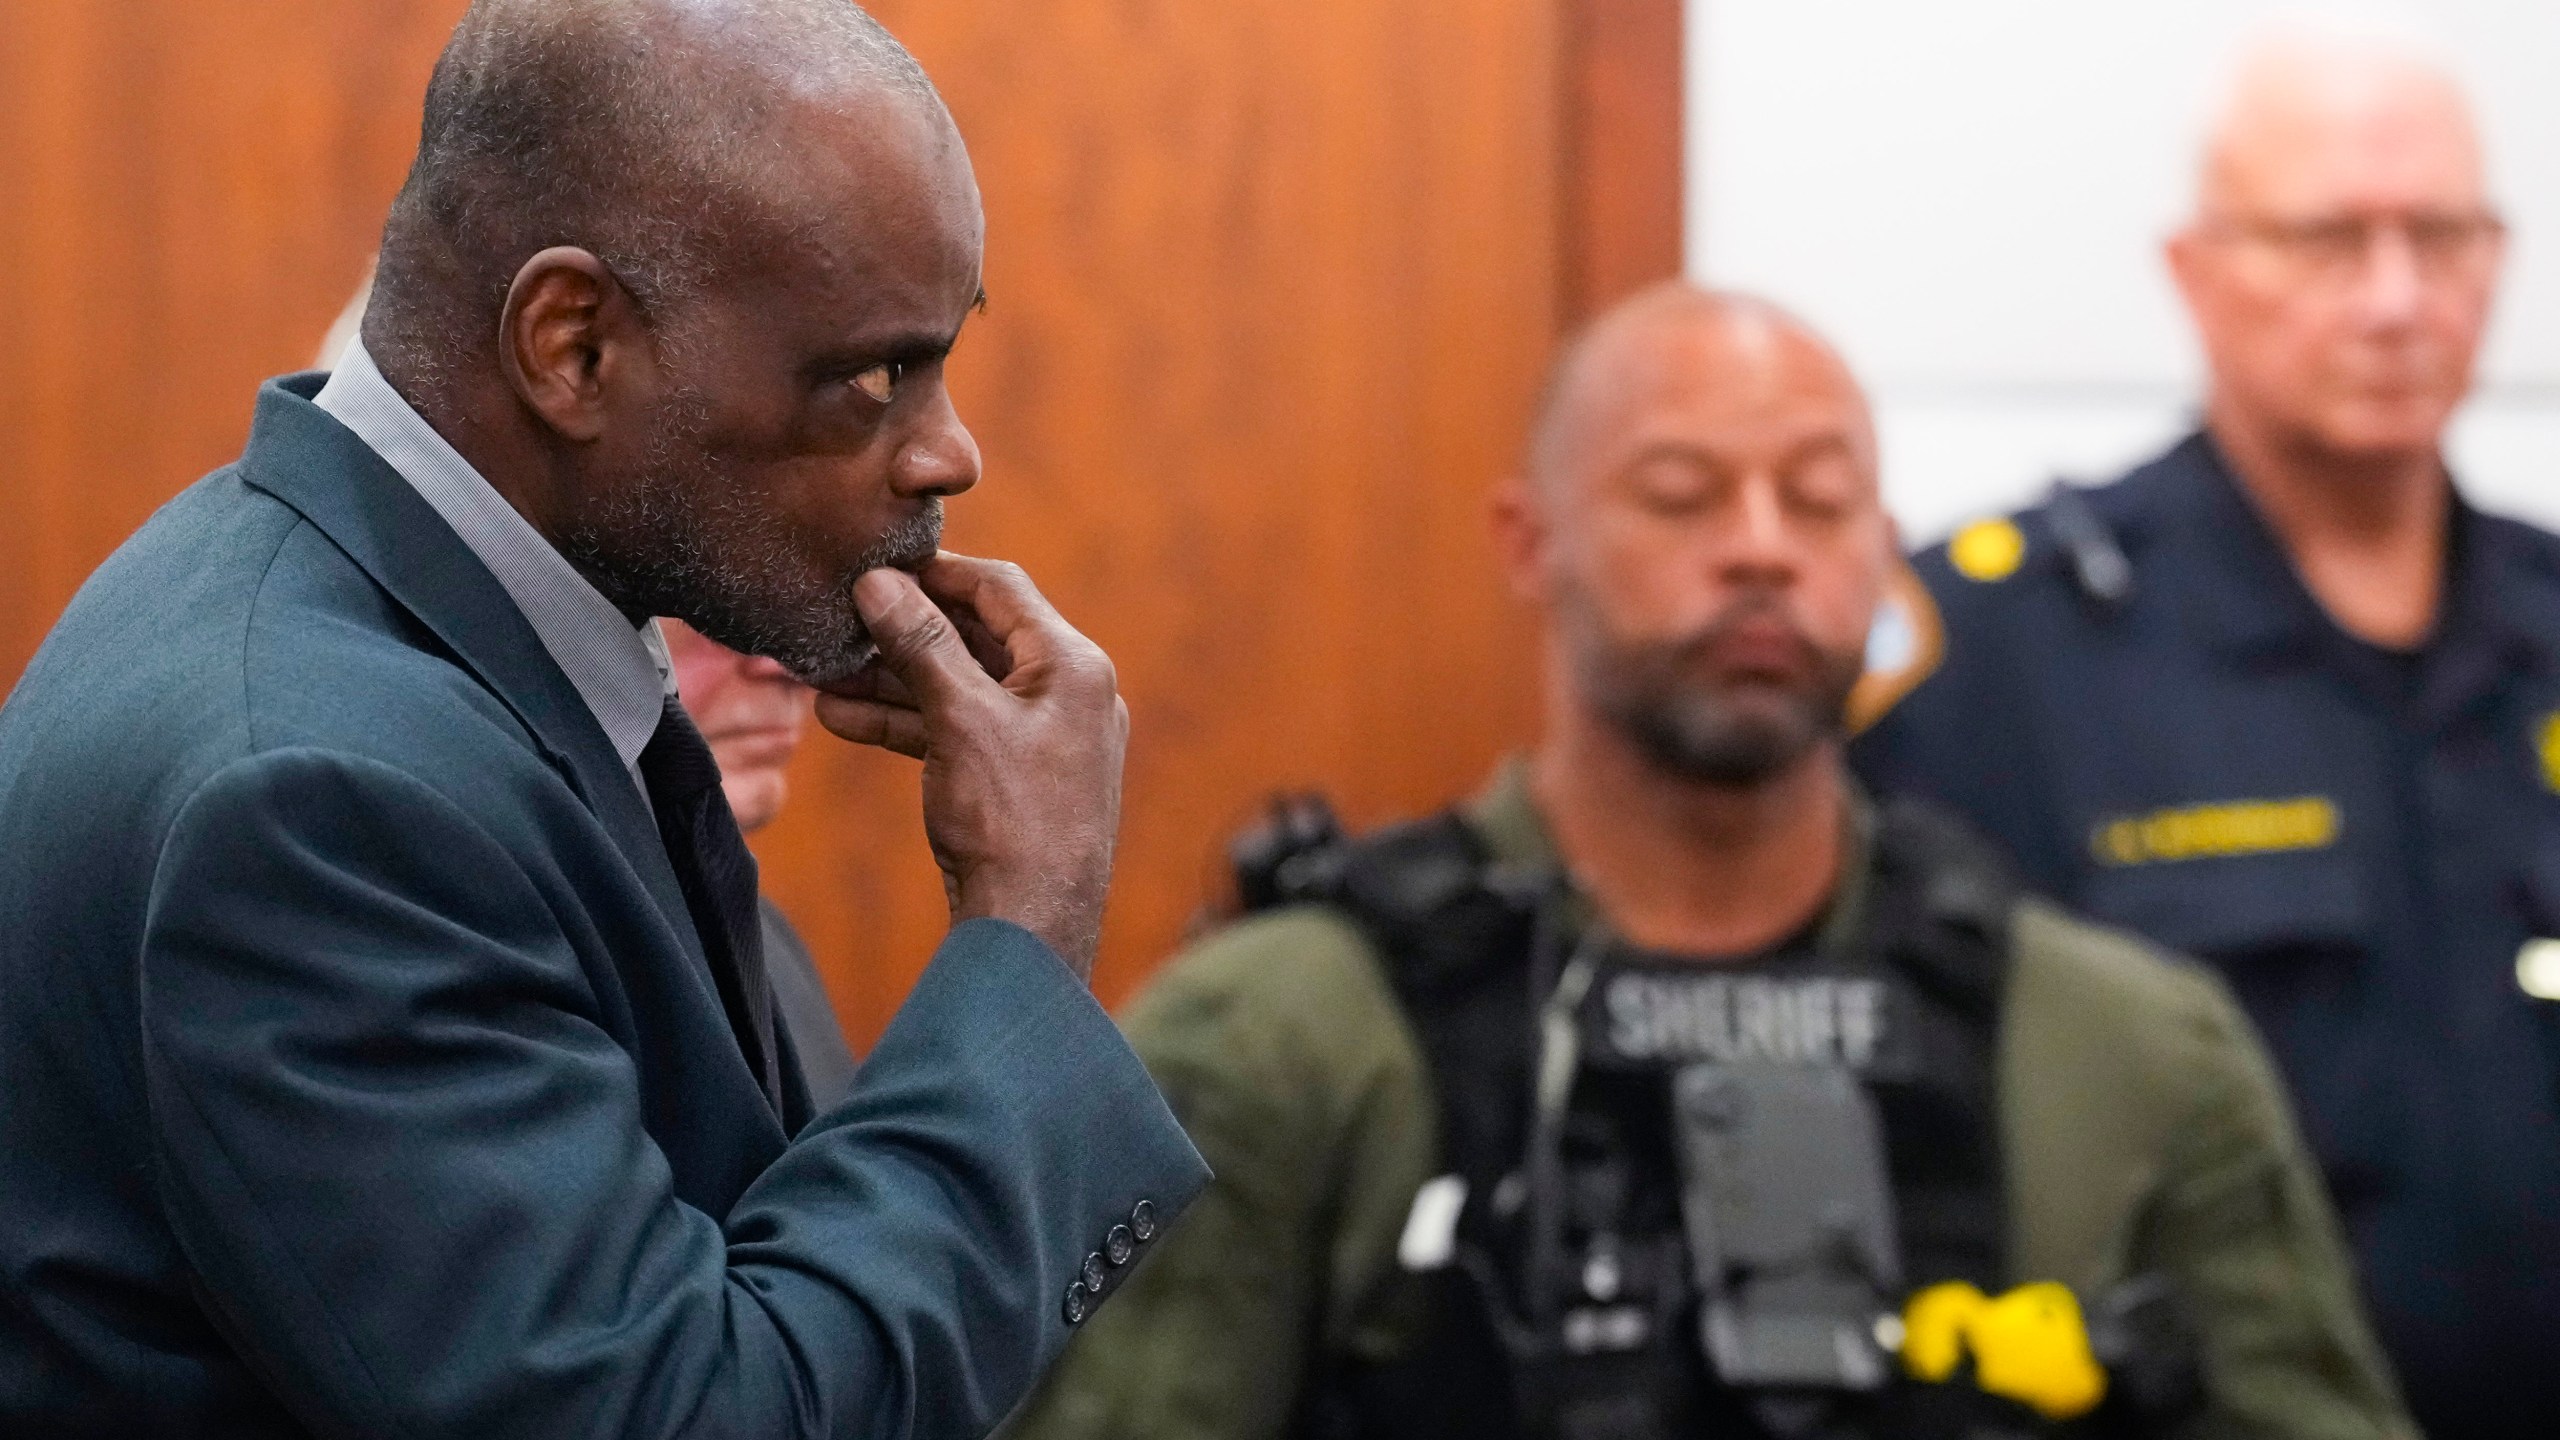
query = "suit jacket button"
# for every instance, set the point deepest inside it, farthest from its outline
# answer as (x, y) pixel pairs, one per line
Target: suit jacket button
(1142, 1221)
(1119, 1245)
(1093, 1272)
(1078, 1303)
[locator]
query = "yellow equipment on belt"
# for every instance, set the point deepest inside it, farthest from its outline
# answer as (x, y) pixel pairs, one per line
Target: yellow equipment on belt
(2029, 1345)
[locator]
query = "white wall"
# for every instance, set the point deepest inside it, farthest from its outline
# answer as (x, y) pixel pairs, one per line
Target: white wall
(1968, 195)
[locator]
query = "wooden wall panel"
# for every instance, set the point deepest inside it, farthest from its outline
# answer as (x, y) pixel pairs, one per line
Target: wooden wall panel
(1621, 120)
(187, 194)
(1269, 286)
(1272, 286)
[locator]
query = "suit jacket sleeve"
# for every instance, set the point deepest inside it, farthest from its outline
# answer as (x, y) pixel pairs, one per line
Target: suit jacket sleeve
(1286, 1056)
(409, 1169)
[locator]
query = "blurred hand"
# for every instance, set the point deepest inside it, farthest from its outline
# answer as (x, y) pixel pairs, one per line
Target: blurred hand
(1020, 725)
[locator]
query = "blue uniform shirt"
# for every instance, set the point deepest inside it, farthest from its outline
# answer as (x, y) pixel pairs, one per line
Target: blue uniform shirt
(2364, 842)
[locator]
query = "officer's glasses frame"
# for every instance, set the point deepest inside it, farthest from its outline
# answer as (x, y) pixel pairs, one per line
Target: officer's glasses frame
(2336, 249)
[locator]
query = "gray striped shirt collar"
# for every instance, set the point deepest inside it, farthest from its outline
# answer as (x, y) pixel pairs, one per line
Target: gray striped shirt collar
(621, 672)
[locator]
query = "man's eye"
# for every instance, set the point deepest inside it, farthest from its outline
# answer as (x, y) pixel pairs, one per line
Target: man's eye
(880, 382)
(1822, 487)
(1671, 486)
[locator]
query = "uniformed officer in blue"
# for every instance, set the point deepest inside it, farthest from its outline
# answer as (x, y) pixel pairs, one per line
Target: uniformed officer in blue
(2279, 698)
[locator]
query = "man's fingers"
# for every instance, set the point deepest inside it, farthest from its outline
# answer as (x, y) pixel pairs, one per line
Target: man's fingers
(1019, 620)
(873, 682)
(868, 722)
(918, 643)
(996, 591)
(990, 653)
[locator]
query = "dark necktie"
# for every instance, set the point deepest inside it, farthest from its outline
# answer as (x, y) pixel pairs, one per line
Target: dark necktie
(718, 874)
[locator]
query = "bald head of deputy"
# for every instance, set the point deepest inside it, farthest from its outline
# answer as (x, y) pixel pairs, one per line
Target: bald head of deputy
(1700, 527)
(2340, 267)
(678, 277)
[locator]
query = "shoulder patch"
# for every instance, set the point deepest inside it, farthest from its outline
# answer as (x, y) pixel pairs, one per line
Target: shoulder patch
(1904, 647)
(1987, 550)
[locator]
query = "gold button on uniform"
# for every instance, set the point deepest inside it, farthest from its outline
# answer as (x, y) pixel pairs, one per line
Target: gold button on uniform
(1987, 550)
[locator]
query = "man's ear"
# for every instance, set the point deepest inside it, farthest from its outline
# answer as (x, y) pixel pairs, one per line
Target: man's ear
(2183, 253)
(567, 330)
(1521, 536)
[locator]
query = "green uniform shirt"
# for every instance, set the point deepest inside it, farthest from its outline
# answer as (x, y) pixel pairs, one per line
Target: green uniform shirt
(2144, 1131)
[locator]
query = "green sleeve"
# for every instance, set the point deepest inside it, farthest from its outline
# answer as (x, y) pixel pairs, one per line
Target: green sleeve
(2155, 1137)
(1285, 1057)
(2241, 1215)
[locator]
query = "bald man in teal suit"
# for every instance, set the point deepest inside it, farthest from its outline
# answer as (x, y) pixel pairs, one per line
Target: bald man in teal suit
(386, 1043)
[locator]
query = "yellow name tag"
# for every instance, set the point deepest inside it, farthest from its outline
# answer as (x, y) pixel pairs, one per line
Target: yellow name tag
(2202, 832)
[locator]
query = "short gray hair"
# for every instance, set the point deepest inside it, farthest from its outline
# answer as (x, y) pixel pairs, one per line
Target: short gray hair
(633, 129)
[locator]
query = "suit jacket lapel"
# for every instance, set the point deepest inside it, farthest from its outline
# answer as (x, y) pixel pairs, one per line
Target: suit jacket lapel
(300, 454)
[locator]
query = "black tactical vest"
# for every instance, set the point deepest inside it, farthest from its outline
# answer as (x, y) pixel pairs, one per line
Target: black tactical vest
(1473, 953)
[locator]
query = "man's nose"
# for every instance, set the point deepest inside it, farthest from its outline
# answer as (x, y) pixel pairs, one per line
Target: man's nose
(1760, 541)
(939, 456)
(2391, 285)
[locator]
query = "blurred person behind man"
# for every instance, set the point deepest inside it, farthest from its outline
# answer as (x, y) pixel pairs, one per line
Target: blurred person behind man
(2280, 698)
(384, 1023)
(751, 712)
(1670, 1039)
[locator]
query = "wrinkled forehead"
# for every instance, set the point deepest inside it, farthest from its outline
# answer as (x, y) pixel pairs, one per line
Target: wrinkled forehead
(864, 200)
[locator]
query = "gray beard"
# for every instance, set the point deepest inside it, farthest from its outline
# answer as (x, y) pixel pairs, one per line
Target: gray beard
(1729, 736)
(686, 540)
(1718, 738)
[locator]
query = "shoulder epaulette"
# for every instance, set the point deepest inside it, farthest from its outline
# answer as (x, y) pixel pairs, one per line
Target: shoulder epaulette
(2098, 563)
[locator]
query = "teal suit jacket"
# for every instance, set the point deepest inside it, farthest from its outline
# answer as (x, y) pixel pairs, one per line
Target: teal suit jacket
(360, 1069)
